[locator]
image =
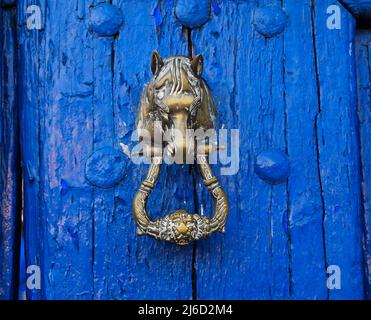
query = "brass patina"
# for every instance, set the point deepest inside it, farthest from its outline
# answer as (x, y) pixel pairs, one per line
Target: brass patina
(178, 98)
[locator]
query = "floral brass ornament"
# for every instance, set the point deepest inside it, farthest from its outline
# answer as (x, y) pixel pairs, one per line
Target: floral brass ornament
(178, 98)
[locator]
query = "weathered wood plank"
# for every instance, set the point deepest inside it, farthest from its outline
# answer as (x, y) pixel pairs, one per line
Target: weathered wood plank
(363, 58)
(58, 207)
(313, 195)
(30, 148)
(83, 88)
(10, 184)
(148, 269)
(245, 73)
(339, 150)
(308, 257)
(103, 136)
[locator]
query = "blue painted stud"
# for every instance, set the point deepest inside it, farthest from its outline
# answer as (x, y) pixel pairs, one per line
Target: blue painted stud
(105, 20)
(193, 13)
(272, 166)
(270, 21)
(105, 168)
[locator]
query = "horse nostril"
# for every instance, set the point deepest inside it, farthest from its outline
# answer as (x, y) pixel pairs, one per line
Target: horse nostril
(178, 101)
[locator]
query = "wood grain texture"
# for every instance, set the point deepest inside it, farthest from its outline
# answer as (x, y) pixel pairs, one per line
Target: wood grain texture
(245, 73)
(292, 92)
(147, 269)
(363, 55)
(10, 200)
(30, 101)
(306, 207)
(338, 148)
(277, 74)
(80, 94)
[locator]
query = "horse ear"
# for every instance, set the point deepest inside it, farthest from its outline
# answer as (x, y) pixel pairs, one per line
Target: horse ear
(197, 65)
(156, 62)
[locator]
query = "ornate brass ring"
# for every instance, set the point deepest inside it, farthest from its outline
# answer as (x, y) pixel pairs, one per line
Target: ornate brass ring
(181, 227)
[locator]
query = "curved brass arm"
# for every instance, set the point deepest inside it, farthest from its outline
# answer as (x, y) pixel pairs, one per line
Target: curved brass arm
(181, 227)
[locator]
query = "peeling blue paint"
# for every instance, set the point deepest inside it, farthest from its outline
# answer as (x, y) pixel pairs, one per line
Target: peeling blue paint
(64, 186)
(215, 7)
(158, 16)
(30, 172)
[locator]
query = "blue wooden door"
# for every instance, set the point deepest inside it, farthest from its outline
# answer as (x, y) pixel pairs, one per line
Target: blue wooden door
(282, 72)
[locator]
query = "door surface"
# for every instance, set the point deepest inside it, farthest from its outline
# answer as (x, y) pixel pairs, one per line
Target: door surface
(282, 72)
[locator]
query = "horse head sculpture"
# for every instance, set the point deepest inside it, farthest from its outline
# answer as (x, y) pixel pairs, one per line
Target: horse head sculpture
(176, 101)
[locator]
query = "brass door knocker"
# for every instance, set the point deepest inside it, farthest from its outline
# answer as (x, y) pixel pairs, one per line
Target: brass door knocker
(177, 98)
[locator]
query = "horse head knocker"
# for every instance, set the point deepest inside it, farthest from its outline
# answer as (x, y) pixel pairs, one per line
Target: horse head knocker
(175, 100)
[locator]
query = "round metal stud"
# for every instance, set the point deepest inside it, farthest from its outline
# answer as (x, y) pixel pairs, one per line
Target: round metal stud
(272, 166)
(270, 21)
(105, 168)
(193, 13)
(105, 20)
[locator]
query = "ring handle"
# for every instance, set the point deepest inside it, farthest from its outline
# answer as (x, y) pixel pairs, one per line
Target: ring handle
(181, 227)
